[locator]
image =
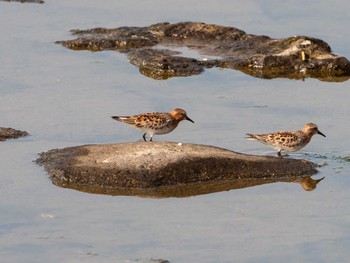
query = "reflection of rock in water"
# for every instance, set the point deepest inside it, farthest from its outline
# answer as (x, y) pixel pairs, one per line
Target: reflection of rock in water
(9, 133)
(149, 48)
(307, 183)
(181, 190)
(164, 169)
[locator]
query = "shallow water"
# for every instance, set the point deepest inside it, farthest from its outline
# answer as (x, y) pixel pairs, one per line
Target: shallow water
(65, 98)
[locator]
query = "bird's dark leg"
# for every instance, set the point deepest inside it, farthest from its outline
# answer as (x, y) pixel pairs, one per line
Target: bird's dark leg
(279, 153)
(144, 137)
(151, 140)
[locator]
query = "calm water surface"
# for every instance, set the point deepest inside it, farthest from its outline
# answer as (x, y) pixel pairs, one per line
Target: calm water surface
(65, 98)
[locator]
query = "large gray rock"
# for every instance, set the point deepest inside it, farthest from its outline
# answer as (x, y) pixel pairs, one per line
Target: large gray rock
(140, 167)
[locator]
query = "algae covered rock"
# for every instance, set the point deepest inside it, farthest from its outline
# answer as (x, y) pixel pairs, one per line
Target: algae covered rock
(151, 48)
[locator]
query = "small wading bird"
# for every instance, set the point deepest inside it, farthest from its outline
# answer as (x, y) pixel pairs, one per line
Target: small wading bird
(289, 141)
(152, 123)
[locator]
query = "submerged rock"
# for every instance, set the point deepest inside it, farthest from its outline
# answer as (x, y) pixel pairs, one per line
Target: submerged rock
(9, 133)
(151, 49)
(25, 1)
(164, 169)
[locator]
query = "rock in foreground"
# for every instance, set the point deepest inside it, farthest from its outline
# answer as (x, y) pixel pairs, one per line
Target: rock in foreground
(136, 168)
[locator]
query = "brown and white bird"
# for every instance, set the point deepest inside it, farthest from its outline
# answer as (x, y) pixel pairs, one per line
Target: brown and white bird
(152, 123)
(289, 141)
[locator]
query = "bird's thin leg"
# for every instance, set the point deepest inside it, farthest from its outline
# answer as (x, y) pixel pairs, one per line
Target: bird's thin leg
(279, 153)
(144, 137)
(151, 140)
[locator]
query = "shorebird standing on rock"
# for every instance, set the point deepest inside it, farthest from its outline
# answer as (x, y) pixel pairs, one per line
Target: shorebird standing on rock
(152, 123)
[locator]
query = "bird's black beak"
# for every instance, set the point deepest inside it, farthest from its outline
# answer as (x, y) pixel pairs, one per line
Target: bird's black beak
(189, 119)
(320, 133)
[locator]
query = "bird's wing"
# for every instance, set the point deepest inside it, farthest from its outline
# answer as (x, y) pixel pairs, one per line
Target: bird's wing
(284, 138)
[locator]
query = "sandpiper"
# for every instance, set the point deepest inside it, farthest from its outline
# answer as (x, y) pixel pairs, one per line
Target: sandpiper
(152, 123)
(289, 141)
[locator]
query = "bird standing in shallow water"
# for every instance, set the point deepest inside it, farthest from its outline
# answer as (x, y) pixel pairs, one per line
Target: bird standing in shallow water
(155, 122)
(289, 141)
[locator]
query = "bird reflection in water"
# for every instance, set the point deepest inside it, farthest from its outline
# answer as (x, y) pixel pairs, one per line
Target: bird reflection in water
(307, 183)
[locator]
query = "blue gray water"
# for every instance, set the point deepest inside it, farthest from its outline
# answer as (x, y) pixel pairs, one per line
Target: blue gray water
(65, 98)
